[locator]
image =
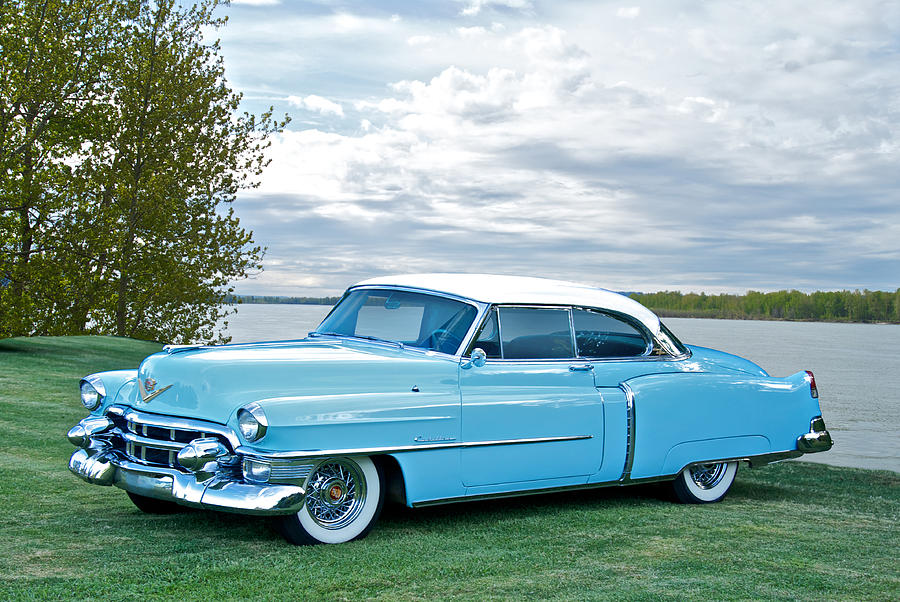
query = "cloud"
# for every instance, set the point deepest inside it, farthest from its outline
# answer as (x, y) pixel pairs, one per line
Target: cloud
(474, 7)
(418, 40)
(317, 104)
(629, 12)
(698, 148)
(257, 2)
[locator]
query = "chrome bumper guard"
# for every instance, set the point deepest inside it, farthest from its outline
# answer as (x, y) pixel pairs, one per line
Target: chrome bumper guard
(212, 485)
(817, 439)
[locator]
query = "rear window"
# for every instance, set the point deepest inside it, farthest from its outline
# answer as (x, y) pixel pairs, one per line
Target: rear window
(601, 335)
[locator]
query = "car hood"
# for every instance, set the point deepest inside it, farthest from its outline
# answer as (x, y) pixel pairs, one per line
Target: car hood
(212, 383)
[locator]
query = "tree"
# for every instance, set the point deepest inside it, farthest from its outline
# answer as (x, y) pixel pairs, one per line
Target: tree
(52, 59)
(175, 153)
(144, 241)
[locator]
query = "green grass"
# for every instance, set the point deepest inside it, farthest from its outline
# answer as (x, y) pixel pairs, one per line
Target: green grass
(787, 531)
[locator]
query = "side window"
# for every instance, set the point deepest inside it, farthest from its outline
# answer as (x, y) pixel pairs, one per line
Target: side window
(535, 333)
(602, 335)
(488, 337)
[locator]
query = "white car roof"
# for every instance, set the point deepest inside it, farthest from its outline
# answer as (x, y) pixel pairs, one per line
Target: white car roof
(524, 290)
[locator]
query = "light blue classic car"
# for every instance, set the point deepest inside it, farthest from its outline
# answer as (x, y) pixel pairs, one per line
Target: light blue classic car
(437, 388)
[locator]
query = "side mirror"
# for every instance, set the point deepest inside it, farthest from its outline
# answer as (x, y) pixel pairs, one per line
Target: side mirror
(478, 357)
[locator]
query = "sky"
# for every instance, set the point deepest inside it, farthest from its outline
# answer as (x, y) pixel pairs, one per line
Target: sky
(677, 145)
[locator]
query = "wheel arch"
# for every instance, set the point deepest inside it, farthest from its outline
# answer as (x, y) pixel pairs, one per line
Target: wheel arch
(394, 480)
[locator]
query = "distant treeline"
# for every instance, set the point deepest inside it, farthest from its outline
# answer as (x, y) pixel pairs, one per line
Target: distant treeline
(233, 299)
(838, 306)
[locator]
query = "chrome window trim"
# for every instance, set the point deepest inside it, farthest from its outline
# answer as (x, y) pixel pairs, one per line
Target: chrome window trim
(648, 336)
(484, 309)
(567, 308)
(391, 449)
(572, 331)
(479, 311)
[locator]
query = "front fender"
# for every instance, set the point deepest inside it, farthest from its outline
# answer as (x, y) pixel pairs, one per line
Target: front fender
(358, 421)
(118, 385)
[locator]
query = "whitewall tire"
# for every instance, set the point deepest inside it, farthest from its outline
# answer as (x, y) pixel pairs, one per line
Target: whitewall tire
(704, 483)
(344, 497)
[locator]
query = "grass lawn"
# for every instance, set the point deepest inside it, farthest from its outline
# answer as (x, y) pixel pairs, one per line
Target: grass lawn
(787, 531)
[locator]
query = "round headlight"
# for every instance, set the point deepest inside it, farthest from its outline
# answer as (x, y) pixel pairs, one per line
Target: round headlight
(90, 396)
(252, 422)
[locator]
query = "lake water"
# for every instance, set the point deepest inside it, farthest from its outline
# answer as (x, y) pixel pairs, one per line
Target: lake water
(857, 368)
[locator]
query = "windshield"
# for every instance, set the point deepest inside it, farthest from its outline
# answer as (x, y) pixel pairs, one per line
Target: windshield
(411, 319)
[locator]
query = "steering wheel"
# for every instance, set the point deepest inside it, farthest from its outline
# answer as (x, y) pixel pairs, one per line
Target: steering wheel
(442, 338)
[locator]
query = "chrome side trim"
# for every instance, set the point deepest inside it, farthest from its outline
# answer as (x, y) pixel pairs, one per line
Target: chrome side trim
(629, 450)
(754, 461)
(369, 451)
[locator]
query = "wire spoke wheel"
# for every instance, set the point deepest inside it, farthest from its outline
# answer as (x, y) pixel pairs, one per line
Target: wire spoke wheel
(344, 497)
(336, 492)
(707, 476)
(704, 483)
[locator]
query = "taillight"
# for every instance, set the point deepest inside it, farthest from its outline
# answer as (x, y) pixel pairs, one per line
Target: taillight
(812, 385)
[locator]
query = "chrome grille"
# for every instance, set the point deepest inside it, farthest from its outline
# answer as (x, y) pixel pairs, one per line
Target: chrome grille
(149, 441)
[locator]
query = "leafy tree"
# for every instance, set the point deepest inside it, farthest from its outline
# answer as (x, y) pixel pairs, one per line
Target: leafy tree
(151, 151)
(52, 59)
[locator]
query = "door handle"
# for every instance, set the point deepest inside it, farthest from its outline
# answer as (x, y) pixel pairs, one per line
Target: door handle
(580, 367)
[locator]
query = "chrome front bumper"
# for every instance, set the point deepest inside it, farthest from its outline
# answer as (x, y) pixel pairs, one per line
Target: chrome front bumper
(817, 439)
(97, 463)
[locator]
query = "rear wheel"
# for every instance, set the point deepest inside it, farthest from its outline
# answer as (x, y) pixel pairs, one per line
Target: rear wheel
(704, 483)
(154, 506)
(344, 497)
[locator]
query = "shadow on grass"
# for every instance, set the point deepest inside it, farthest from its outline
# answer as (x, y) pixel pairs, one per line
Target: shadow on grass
(523, 506)
(761, 492)
(223, 527)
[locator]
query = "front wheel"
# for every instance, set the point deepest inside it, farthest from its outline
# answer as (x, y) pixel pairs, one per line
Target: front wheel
(704, 483)
(344, 497)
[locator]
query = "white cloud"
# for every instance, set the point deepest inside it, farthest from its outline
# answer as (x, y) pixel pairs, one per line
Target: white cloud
(704, 148)
(317, 104)
(471, 32)
(257, 2)
(629, 12)
(418, 40)
(474, 7)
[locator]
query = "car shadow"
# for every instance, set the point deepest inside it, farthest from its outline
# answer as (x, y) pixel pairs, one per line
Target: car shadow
(526, 505)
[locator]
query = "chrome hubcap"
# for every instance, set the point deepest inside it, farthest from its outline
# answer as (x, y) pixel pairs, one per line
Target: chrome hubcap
(707, 476)
(335, 493)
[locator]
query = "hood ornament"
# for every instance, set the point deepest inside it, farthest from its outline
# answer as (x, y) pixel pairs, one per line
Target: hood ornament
(147, 387)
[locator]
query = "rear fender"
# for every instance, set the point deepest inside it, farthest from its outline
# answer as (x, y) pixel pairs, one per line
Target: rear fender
(693, 417)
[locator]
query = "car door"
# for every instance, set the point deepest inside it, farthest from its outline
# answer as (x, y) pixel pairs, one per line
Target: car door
(618, 350)
(532, 388)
